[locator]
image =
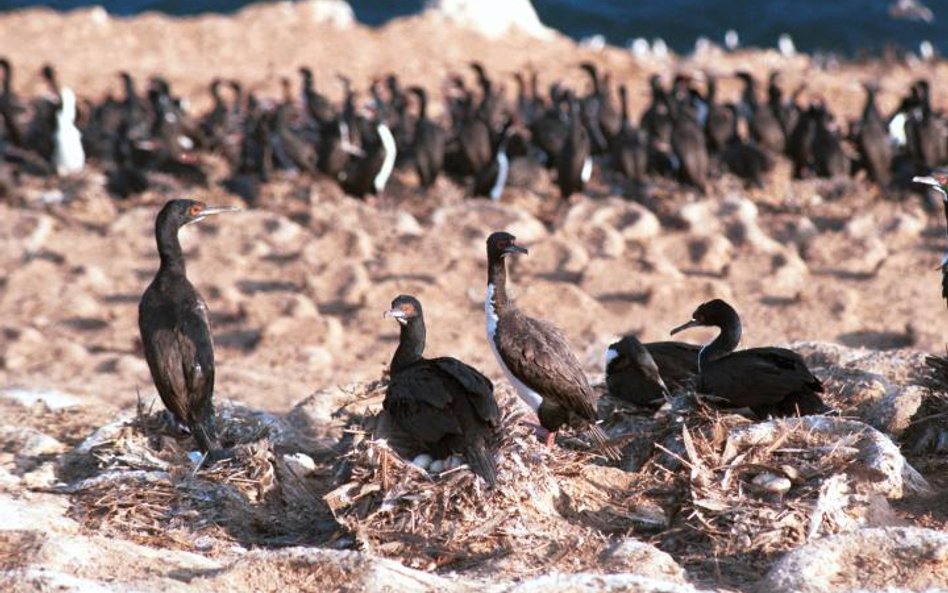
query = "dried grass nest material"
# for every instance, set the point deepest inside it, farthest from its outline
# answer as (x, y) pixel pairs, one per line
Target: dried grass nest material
(714, 488)
(133, 482)
(927, 434)
(743, 489)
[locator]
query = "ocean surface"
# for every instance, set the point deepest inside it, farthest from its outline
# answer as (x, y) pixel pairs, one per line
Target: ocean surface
(849, 27)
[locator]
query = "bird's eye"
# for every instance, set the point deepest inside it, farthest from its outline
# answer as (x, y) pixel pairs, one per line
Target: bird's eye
(195, 210)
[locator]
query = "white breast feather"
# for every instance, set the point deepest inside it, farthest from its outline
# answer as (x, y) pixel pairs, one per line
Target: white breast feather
(531, 397)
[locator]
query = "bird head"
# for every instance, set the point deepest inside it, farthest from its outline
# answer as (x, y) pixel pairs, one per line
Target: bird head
(938, 181)
(404, 308)
(183, 212)
(501, 243)
(711, 313)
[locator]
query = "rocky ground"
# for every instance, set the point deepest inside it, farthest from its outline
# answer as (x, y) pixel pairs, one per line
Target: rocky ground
(296, 287)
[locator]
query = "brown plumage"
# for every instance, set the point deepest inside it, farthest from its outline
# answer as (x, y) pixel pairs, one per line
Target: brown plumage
(536, 356)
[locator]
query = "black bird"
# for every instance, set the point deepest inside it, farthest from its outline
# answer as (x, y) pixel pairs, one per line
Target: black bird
(828, 154)
(800, 142)
(535, 355)
(769, 381)
(631, 145)
(604, 121)
(644, 373)
(745, 159)
(492, 179)
(315, 105)
(550, 129)
(632, 374)
(176, 336)
(940, 184)
(445, 405)
(690, 148)
(873, 140)
(9, 105)
(430, 139)
(926, 132)
(765, 128)
(720, 123)
(370, 173)
(574, 164)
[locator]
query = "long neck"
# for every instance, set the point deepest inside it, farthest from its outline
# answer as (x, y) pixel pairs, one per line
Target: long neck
(750, 95)
(411, 344)
(169, 249)
(497, 278)
(624, 100)
(722, 345)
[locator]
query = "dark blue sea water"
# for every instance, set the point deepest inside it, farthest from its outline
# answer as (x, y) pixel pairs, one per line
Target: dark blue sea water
(842, 26)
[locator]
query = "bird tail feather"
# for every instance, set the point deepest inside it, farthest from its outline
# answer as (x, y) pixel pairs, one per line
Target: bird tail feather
(482, 462)
(603, 444)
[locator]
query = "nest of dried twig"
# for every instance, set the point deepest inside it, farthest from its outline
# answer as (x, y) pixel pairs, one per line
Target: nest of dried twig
(708, 487)
(749, 491)
(134, 481)
(928, 432)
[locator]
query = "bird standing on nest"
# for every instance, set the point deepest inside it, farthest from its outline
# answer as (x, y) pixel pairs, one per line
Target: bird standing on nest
(176, 336)
(535, 355)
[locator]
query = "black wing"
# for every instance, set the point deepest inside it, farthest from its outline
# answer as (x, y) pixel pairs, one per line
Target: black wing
(420, 401)
(759, 376)
(180, 353)
(480, 391)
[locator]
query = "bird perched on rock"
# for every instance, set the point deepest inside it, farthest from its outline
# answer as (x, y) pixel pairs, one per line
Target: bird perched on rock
(176, 336)
(445, 405)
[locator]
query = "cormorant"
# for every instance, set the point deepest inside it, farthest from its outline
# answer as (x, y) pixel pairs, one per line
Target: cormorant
(535, 355)
(175, 333)
(769, 381)
(445, 405)
(940, 184)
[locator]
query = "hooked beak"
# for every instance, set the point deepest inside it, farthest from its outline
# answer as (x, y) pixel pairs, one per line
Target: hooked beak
(684, 326)
(212, 210)
(516, 249)
(927, 180)
(396, 314)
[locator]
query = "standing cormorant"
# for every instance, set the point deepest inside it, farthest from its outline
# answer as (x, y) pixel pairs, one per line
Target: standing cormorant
(574, 164)
(443, 404)
(535, 355)
(176, 336)
(873, 140)
(430, 140)
(769, 381)
(631, 145)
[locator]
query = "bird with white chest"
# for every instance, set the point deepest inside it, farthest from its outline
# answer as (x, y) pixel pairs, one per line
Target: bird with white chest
(535, 355)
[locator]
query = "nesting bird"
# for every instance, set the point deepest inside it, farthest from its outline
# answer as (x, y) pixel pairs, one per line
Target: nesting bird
(535, 355)
(769, 381)
(446, 406)
(176, 336)
(644, 374)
